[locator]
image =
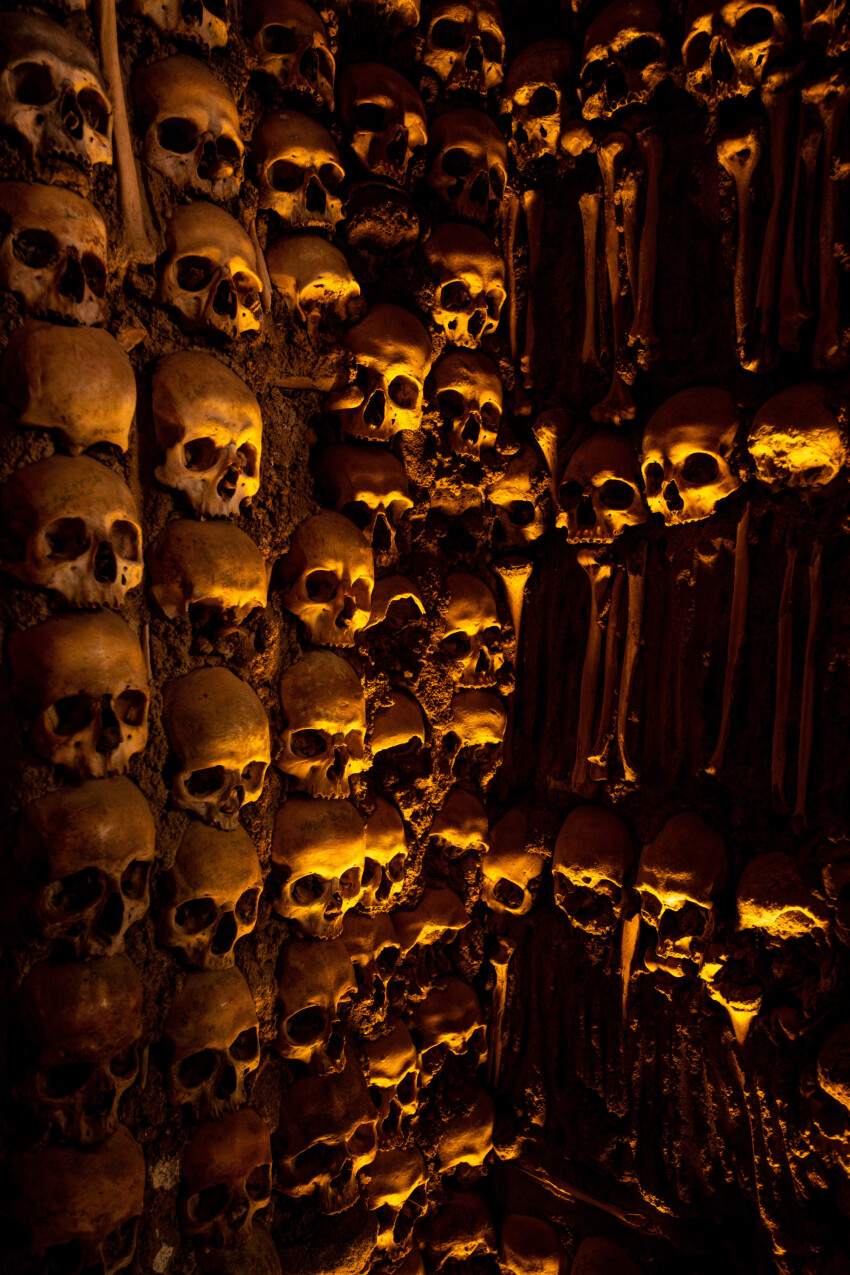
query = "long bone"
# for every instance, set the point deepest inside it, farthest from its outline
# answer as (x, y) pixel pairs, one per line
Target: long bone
(777, 97)
(501, 961)
(514, 577)
(629, 196)
(830, 98)
(784, 638)
(617, 406)
(533, 204)
(642, 332)
(807, 710)
(809, 153)
(589, 205)
(737, 630)
(636, 567)
(597, 565)
(793, 312)
(549, 428)
(739, 156)
(598, 756)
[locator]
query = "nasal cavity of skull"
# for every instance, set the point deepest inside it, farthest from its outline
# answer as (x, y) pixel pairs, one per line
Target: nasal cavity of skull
(244, 462)
(87, 107)
(134, 879)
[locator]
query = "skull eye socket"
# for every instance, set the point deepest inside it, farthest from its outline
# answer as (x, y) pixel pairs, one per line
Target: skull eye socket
(75, 893)
(388, 960)
(246, 907)
(358, 512)
(95, 273)
(201, 454)
(315, 1160)
(697, 51)
(349, 883)
(395, 867)
(307, 1026)
(195, 916)
(404, 392)
(593, 76)
(65, 1080)
(498, 180)
(376, 1093)
(369, 117)
(253, 774)
(650, 907)
(35, 249)
(321, 586)
(520, 513)
(246, 1046)
(308, 889)
(571, 494)
(457, 162)
(754, 27)
(95, 109)
(700, 469)
(406, 1091)
(177, 135)
(544, 101)
(130, 707)
(197, 1069)
(126, 541)
(218, 8)
(194, 273)
(447, 34)
(67, 539)
(308, 743)
(454, 297)
(615, 494)
(203, 783)
(208, 1204)
(70, 715)
(457, 645)
(491, 44)
(248, 458)
(451, 405)
(284, 176)
(134, 879)
(641, 53)
(508, 893)
(278, 39)
(653, 477)
(363, 1139)
(126, 1063)
(120, 1244)
(33, 84)
(332, 177)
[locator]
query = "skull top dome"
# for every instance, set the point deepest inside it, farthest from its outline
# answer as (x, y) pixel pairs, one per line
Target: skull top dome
(318, 856)
(796, 441)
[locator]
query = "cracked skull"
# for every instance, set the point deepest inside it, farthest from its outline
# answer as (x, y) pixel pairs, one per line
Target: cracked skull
(392, 357)
(83, 680)
(536, 101)
(600, 494)
(729, 47)
(83, 1021)
(328, 575)
(318, 854)
(369, 486)
(468, 393)
(291, 42)
(219, 732)
(679, 876)
(471, 639)
(226, 1179)
(53, 251)
(212, 1033)
(213, 892)
(203, 22)
(510, 873)
(52, 93)
(686, 456)
(384, 117)
(324, 724)
(796, 441)
(469, 275)
(314, 981)
(299, 170)
(386, 857)
(74, 530)
(593, 854)
(87, 853)
(392, 1068)
(625, 58)
(208, 423)
(465, 46)
(314, 279)
(469, 168)
(192, 131)
(209, 272)
(203, 568)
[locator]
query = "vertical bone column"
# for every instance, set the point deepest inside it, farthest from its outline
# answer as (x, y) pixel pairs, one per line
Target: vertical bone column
(596, 564)
(637, 578)
(777, 97)
(739, 156)
(784, 635)
(829, 98)
(642, 332)
(807, 711)
(501, 961)
(532, 202)
(589, 204)
(617, 406)
(737, 629)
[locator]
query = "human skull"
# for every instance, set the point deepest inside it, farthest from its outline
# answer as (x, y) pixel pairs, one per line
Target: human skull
(219, 732)
(53, 251)
(796, 441)
(324, 724)
(299, 171)
(291, 42)
(208, 423)
(314, 279)
(471, 638)
(729, 47)
(394, 1189)
(465, 46)
(469, 274)
(521, 503)
(679, 875)
(392, 15)
(314, 981)
(87, 852)
(209, 273)
(207, 567)
(593, 854)
(82, 1201)
(448, 1021)
(825, 23)
(82, 1020)
(74, 530)
(437, 918)
(384, 117)
(327, 1135)
(392, 356)
(191, 127)
(468, 393)
(374, 949)
(392, 1067)
(76, 381)
(52, 93)
(600, 494)
(476, 732)
(686, 456)
(773, 899)
(531, 1246)
(536, 100)
(318, 852)
(203, 22)
(469, 165)
(625, 58)
(401, 750)
(368, 485)
(461, 1237)
(834, 1065)
(386, 857)
(257, 1256)
(510, 873)
(83, 680)
(226, 1178)
(212, 1031)
(460, 826)
(212, 895)
(467, 1139)
(328, 576)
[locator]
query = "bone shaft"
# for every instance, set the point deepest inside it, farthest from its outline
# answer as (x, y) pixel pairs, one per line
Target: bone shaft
(612, 243)
(510, 218)
(810, 154)
(807, 712)
(737, 628)
(827, 345)
(778, 107)
(534, 206)
(500, 994)
(589, 208)
(599, 752)
(743, 260)
(637, 580)
(264, 275)
(792, 313)
(599, 577)
(779, 749)
(652, 151)
(631, 190)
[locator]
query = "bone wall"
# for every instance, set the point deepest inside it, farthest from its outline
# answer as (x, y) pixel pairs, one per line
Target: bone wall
(424, 470)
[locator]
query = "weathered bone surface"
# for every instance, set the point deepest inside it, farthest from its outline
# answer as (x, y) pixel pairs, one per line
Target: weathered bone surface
(369, 486)
(384, 117)
(315, 980)
(204, 24)
(387, 851)
(469, 164)
(291, 42)
(687, 454)
(469, 276)
(796, 442)
(600, 492)
(465, 46)
(460, 825)
(392, 357)
(300, 174)
(212, 1032)
(392, 1069)
(593, 855)
(314, 279)
(471, 639)
(625, 58)
(510, 872)
(207, 567)
(537, 100)
(467, 390)
(678, 879)
(329, 574)
(394, 1188)
(318, 857)
(210, 275)
(729, 47)
(324, 724)
(226, 1177)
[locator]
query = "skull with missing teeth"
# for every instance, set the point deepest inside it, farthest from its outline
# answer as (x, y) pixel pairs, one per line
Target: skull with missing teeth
(52, 93)
(318, 855)
(520, 501)
(329, 574)
(469, 276)
(475, 735)
(226, 1177)
(369, 486)
(314, 279)
(510, 870)
(625, 59)
(385, 118)
(299, 170)
(471, 637)
(468, 393)
(219, 732)
(314, 981)
(212, 1032)
(686, 458)
(679, 876)
(465, 46)
(401, 751)
(212, 895)
(600, 494)
(392, 358)
(324, 724)
(291, 42)
(395, 1193)
(536, 101)
(729, 47)
(593, 854)
(208, 423)
(192, 131)
(209, 273)
(469, 165)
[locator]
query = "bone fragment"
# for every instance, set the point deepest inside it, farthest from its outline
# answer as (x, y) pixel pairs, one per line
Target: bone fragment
(139, 244)
(266, 296)
(628, 947)
(514, 577)
(605, 733)
(739, 156)
(737, 629)
(532, 202)
(809, 152)
(549, 428)
(500, 960)
(629, 196)
(807, 711)
(617, 406)
(510, 218)
(637, 577)
(642, 332)
(566, 1191)
(594, 562)
(776, 95)
(830, 98)
(783, 685)
(589, 207)
(793, 311)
